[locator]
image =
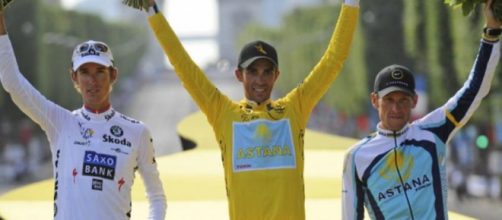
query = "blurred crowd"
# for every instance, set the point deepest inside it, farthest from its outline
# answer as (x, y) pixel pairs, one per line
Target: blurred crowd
(23, 151)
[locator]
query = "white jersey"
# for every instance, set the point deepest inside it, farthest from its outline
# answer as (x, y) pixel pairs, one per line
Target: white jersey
(94, 156)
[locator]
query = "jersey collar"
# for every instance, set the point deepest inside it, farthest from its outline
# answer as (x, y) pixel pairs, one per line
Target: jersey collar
(389, 133)
(249, 104)
(91, 116)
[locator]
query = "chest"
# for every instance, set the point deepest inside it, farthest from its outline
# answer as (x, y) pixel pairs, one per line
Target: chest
(102, 150)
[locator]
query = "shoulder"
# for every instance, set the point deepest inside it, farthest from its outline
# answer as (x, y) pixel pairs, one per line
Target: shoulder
(361, 144)
(128, 122)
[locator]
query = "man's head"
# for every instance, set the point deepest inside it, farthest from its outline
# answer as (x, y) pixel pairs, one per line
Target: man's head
(394, 96)
(257, 70)
(93, 73)
(91, 52)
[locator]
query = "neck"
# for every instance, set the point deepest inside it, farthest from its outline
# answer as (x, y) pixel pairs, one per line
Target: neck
(97, 110)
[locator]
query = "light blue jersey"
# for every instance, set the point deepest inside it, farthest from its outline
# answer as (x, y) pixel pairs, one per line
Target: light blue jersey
(402, 175)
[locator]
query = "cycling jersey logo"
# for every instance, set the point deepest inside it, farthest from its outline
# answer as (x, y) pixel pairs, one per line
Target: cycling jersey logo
(116, 131)
(405, 163)
(97, 184)
(262, 133)
(262, 144)
(109, 116)
(119, 150)
(86, 132)
(121, 182)
(99, 165)
(405, 166)
(129, 119)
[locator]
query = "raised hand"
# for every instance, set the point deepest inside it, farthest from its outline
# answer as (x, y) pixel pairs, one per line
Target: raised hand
(351, 2)
(491, 21)
(4, 3)
(138, 4)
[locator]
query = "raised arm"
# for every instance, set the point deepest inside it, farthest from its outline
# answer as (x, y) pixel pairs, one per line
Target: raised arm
(325, 72)
(24, 95)
(206, 95)
(459, 109)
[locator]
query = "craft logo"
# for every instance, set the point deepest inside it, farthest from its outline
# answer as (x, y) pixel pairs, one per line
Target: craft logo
(99, 165)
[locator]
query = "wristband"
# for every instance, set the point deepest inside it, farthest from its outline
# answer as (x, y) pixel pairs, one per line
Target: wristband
(154, 9)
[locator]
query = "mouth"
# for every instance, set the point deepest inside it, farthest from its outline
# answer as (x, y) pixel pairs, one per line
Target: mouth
(260, 90)
(93, 91)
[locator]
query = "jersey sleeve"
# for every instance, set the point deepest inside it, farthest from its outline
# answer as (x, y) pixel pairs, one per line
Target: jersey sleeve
(44, 112)
(147, 167)
(327, 69)
(206, 95)
(352, 190)
(458, 109)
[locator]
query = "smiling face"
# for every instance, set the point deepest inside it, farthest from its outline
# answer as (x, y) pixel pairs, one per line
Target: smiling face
(258, 79)
(394, 109)
(94, 82)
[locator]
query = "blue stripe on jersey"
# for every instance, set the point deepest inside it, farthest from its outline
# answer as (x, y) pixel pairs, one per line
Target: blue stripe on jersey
(436, 174)
(374, 207)
(442, 131)
(475, 81)
(359, 194)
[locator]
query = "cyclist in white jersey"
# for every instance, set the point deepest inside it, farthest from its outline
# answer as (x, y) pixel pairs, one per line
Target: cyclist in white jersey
(95, 149)
(399, 172)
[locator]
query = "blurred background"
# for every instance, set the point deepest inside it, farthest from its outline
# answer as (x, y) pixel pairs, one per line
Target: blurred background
(437, 42)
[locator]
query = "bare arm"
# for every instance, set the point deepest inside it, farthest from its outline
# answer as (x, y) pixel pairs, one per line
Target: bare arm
(3, 28)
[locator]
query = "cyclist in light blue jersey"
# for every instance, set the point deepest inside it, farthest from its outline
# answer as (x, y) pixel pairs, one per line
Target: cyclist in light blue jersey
(399, 171)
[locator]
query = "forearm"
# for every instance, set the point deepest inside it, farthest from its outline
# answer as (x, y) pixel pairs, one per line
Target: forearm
(3, 28)
(330, 65)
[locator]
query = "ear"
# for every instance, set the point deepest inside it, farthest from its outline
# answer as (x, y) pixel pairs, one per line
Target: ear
(239, 74)
(415, 100)
(73, 75)
(114, 73)
(374, 100)
(277, 73)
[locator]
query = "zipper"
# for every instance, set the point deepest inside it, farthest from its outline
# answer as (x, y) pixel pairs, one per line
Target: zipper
(400, 177)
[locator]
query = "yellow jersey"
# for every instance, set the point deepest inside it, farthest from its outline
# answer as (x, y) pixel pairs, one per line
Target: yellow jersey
(261, 144)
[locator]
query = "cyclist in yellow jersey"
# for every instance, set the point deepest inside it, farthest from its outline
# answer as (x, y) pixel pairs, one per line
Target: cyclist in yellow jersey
(261, 140)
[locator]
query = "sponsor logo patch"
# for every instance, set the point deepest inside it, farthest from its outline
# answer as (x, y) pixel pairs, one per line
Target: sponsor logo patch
(263, 144)
(116, 131)
(99, 165)
(97, 184)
